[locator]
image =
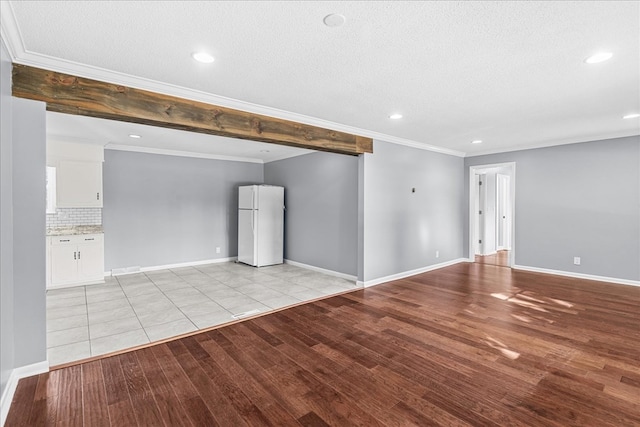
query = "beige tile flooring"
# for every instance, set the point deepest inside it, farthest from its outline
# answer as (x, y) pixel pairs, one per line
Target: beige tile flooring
(135, 309)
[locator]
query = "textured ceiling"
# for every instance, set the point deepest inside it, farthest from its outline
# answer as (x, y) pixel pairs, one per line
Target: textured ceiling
(509, 73)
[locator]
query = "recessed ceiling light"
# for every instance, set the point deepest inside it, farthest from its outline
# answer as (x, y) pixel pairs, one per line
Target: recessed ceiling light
(133, 135)
(395, 116)
(631, 116)
(476, 141)
(598, 57)
(203, 57)
(334, 20)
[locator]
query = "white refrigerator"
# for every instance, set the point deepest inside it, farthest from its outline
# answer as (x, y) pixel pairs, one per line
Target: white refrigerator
(260, 225)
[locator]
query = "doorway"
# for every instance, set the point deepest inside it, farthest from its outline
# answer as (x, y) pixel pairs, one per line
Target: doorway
(491, 214)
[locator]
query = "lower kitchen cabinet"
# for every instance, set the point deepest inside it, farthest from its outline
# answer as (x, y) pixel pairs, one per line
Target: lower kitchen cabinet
(75, 260)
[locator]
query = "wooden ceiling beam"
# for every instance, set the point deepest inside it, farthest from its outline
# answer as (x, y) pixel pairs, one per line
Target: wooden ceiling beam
(70, 94)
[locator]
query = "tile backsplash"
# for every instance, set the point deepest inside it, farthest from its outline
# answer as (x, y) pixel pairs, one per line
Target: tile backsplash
(66, 217)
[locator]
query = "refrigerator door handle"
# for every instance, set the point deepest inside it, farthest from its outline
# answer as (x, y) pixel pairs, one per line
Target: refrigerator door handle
(253, 230)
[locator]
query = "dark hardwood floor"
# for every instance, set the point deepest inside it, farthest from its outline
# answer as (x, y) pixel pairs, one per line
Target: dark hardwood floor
(469, 344)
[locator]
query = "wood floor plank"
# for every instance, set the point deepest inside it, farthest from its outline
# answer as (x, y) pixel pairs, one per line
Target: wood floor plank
(466, 345)
(119, 404)
(95, 408)
(141, 395)
(70, 397)
(171, 408)
(23, 400)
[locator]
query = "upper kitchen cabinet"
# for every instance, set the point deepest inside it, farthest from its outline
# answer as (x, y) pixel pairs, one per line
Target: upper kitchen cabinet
(78, 171)
(78, 184)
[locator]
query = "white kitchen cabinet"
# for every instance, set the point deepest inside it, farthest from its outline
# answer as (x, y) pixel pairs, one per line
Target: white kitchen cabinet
(78, 184)
(76, 260)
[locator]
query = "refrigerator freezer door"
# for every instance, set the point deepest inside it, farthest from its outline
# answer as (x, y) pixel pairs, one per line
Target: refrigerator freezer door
(270, 226)
(247, 247)
(248, 197)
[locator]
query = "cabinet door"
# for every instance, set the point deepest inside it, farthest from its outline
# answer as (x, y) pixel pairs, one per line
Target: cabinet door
(91, 260)
(79, 184)
(64, 264)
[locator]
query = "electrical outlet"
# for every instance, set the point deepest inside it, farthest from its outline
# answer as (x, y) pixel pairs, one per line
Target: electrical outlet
(576, 260)
(437, 254)
(218, 249)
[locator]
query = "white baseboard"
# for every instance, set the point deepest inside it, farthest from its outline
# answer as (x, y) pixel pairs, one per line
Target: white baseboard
(321, 270)
(404, 274)
(12, 383)
(136, 269)
(578, 275)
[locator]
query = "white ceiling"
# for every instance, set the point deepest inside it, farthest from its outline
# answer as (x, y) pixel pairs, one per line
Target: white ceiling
(509, 73)
(115, 135)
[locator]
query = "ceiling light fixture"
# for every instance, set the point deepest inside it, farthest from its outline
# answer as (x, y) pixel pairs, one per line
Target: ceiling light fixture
(264, 151)
(395, 116)
(334, 20)
(203, 57)
(133, 135)
(476, 141)
(631, 116)
(598, 57)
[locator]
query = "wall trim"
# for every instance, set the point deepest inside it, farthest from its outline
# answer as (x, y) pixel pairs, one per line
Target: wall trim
(408, 273)
(12, 383)
(577, 275)
(177, 153)
(321, 270)
(136, 269)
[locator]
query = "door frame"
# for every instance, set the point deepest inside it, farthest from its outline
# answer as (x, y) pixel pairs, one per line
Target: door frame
(473, 170)
(480, 205)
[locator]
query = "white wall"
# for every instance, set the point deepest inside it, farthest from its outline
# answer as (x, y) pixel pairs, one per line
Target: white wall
(22, 238)
(161, 210)
(6, 223)
(576, 200)
(321, 220)
(402, 229)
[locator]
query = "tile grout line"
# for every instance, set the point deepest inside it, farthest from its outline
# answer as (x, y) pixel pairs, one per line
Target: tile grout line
(233, 272)
(174, 304)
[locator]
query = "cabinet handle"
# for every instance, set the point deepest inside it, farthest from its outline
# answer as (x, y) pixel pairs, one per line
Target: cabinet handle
(90, 239)
(64, 240)
(78, 254)
(97, 196)
(74, 256)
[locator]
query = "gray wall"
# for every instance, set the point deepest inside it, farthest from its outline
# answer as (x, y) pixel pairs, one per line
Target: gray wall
(6, 223)
(29, 263)
(161, 210)
(576, 200)
(321, 220)
(403, 230)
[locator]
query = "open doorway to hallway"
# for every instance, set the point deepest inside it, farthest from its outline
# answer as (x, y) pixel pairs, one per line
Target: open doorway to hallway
(491, 214)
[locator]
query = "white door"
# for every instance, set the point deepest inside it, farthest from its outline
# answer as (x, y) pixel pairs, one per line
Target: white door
(246, 236)
(270, 225)
(481, 195)
(79, 184)
(91, 260)
(503, 210)
(247, 197)
(64, 263)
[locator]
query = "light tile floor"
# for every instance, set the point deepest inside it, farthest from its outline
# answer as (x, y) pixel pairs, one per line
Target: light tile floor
(131, 310)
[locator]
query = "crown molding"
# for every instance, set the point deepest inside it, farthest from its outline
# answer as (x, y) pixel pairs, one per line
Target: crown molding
(9, 31)
(549, 144)
(178, 153)
(20, 55)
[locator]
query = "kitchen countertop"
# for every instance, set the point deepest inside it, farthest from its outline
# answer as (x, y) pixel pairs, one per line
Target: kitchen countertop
(75, 230)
